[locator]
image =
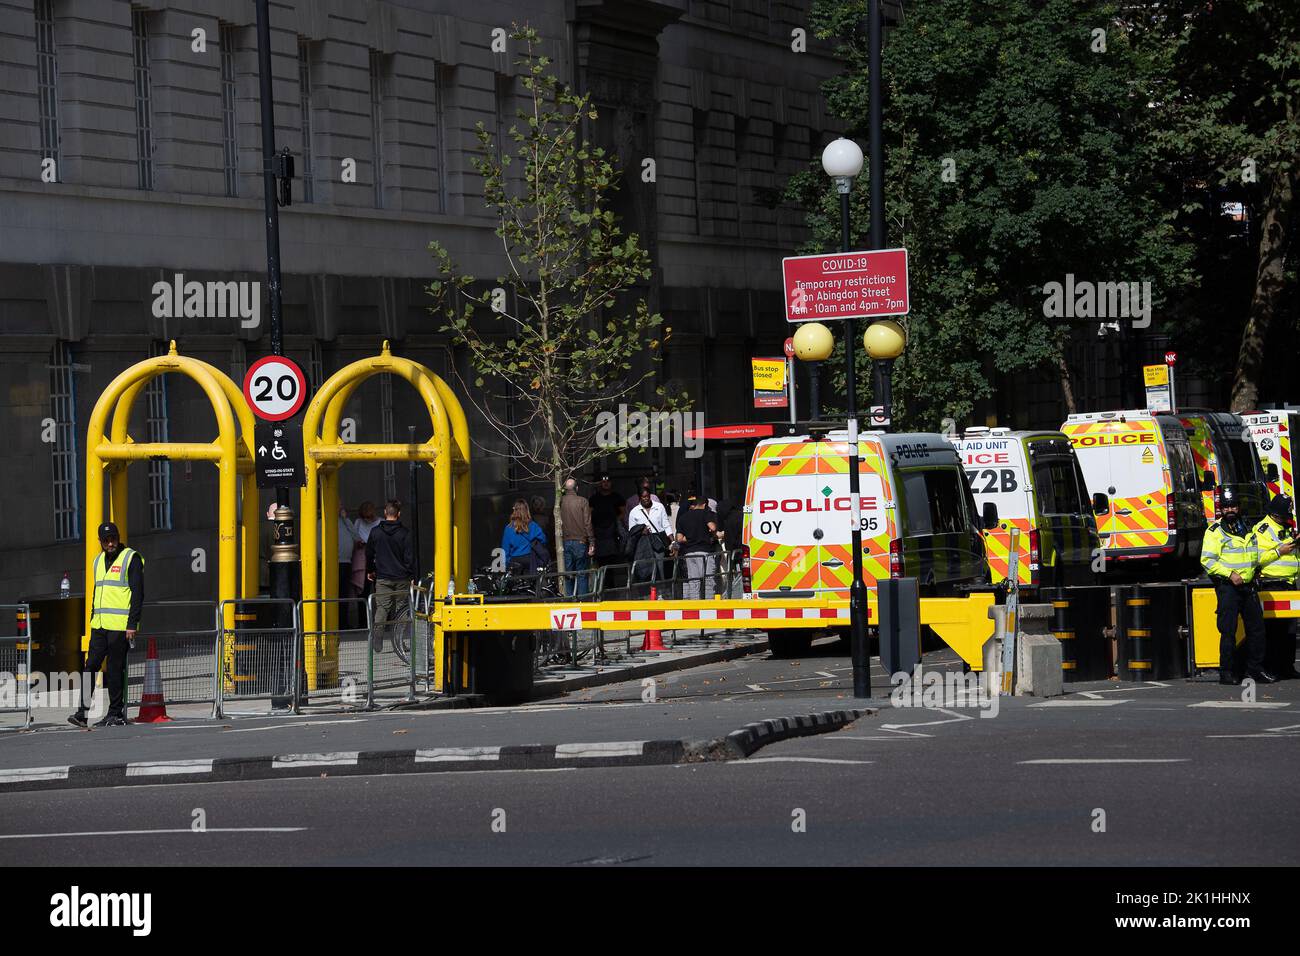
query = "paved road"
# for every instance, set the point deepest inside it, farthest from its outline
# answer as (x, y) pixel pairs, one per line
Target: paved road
(1184, 774)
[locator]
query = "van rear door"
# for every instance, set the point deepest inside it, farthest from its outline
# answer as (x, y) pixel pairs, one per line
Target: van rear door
(940, 540)
(1067, 529)
(995, 471)
(1126, 460)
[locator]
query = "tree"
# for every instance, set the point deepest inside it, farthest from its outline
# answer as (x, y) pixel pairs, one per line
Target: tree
(562, 333)
(1015, 156)
(1228, 96)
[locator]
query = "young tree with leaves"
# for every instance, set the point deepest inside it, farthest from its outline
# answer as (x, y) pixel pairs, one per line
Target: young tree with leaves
(561, 334)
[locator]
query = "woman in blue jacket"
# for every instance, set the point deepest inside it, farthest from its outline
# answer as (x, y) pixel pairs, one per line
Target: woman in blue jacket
(524, 542)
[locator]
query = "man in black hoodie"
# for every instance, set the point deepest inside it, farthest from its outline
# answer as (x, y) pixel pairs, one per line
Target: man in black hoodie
(390, 563)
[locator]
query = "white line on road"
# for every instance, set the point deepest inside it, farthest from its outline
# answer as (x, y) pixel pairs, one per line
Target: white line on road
(1080, 703)
(305, 723)
(825, 674)
(24, 774)
(163, 768)
(953, 715)
(1281, 729)
(755, 687)
(618, 748)
(1242, 704)
(749, 760)
(1265, 736)
(341, 759)
(94, 833)
(1109, 760)
(879, 737)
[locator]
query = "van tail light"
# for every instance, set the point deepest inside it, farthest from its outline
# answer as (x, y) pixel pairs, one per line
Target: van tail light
(1033, 551)
(746, 574)
(895, 558)
(1170, 519)
(1216, 503)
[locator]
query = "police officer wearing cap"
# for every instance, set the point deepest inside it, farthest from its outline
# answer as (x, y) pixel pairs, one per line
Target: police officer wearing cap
(1279, 568)
(1230, 556)
(117, 596)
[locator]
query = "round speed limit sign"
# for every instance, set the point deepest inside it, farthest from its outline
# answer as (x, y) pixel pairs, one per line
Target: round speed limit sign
(275, 388)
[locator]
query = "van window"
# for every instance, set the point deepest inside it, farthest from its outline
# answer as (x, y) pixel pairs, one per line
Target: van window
(1238, 460)
(936, 502)
(1057, 487)
(1182, 465)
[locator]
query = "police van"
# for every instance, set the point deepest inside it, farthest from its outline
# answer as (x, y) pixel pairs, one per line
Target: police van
(1225, 457)
(1033, 479)
(917, 516)
(1273, 431)
(1143, 464)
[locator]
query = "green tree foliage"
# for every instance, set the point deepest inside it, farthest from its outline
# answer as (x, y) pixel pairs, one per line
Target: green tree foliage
(561, 335)
(1014, 155)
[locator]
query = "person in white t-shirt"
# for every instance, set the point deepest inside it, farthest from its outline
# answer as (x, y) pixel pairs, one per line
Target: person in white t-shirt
(648, 525)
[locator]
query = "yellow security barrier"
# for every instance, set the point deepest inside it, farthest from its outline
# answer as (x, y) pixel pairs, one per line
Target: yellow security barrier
(447, 451)
(1205, 625)
(231, 451)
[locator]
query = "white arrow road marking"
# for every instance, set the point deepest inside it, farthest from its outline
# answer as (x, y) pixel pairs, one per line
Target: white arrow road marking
(93, 833)
(897, 728)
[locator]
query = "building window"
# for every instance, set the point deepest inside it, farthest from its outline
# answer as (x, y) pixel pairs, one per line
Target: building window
(160, 469)
(143, 99)
(377, 124)
(47, 82)
(304, 107)
(386, 432)
(229, 130)
(63, 453)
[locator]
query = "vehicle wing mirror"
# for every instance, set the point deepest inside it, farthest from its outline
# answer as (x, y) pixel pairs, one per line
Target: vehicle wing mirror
(990, 515)
(1207, 480)
(1270, 472)
(1100, 504)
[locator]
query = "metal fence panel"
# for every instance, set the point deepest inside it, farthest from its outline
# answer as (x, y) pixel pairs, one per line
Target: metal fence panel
(15, 666)
(185, 635)
(351, 644)
(258, 657)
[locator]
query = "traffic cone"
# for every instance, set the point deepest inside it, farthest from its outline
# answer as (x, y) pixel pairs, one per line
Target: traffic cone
(653, 639)
(152, 708)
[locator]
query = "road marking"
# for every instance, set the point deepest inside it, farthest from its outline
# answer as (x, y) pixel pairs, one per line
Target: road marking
(955, 717)
(824, 674)
(756, 687)
(24, 774)
(1242, 704)
(1056, 760)
(445, 754)
(305, 723)
(749, 760)
(163, 768)
(618, 748)
(94, 833)
(1265, 736)
(341, 759)
(851, 737)
(1281, 729)
(1080, 703)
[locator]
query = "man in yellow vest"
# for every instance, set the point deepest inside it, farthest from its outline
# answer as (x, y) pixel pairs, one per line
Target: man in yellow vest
(1279, 568)
(116, 596)
(1230, 556)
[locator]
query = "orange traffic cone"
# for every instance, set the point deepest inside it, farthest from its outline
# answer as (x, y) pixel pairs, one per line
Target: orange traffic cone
(653, 639)
(152, 708)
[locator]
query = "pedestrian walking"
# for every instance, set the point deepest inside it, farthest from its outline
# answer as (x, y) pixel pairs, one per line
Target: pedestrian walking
(697, 536)
(631, 504)
(523, 541)
(730, 527)
(648, 541)
(1279, 569)
(116, 601)
(579, 537)
(390, 558)
(605, 507)
(1230, 556)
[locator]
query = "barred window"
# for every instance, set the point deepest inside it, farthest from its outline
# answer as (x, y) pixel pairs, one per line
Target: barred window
(160, 470)
(63, 452)
(229, 129)
(47, 82)
(143, 99)
(304, 106)
(377, 93)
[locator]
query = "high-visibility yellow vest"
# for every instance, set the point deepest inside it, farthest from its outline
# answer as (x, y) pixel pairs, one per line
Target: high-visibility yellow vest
(1278, 567)
(111, 598)
(1223, 553)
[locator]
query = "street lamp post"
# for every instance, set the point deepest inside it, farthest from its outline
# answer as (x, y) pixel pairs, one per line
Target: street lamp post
(842, 160)
(884, 342)
(813, 344)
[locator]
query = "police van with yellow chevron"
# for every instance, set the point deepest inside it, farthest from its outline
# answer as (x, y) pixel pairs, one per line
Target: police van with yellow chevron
(1033, 479)
(918, 519)
(1274, 431)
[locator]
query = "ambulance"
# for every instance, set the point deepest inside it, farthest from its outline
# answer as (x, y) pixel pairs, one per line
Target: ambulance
(1143, 464)
(1225, 457)
(917, 516)
(1034, 480)
(1272, 431)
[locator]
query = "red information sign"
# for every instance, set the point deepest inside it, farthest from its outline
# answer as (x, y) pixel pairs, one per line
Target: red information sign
(789, 348)
(1171, 358)
(845, 285)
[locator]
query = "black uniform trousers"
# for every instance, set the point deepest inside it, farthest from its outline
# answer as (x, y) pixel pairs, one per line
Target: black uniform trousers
(1239, 601)
(108, 646)
(1279, 634)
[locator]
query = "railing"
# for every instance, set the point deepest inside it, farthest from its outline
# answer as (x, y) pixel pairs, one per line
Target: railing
(15, 663)
(185, 635)
(259, 656)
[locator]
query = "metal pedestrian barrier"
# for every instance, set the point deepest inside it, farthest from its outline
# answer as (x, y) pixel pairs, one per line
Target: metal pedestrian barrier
(15, 665)
(259, 652)
(349, 645)
(185, 635)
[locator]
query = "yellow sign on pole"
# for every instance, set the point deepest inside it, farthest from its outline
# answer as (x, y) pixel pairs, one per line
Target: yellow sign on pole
(1155, 374)
(769, 375)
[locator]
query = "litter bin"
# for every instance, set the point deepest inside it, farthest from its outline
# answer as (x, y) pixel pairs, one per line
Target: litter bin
(501, 666)
(55, 629)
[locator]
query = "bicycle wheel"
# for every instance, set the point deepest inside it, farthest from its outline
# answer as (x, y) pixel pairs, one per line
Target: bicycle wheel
(401, 636)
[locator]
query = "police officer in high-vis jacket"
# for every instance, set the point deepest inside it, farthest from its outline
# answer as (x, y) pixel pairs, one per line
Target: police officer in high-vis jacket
(116, 596)
(1279, 568)
(1230, 556)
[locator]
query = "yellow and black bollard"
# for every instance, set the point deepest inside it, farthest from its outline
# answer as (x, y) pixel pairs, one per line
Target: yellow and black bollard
(1061, 630)
(1138, 635)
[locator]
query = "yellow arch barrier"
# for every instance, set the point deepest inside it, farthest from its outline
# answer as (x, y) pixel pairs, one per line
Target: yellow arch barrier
(324, 453)
(232, 456)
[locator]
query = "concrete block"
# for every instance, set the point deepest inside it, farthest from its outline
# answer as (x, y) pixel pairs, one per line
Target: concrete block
(1038, 666)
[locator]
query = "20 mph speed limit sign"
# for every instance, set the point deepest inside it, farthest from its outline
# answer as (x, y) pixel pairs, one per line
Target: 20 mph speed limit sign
(275, 388)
